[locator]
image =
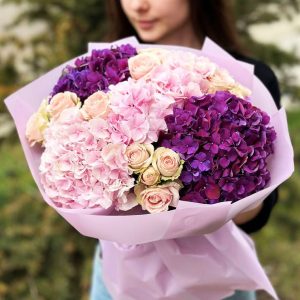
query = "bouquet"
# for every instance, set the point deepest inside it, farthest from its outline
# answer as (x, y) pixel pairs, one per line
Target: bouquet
(155, 150)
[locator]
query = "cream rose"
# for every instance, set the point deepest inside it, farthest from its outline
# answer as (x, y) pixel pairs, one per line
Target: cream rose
(37, 124)
(95, 106)
(60, 102)
(139, 156)
(142, 64)
(221, 80)
(160, 53)
(168, 163)
(150, 176)
(240, 91)
(157, 198)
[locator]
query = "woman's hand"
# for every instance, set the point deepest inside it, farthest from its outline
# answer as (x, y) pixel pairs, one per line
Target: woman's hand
(244, 217)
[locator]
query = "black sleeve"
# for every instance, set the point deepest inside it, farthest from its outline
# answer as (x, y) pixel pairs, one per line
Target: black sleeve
(268, 78)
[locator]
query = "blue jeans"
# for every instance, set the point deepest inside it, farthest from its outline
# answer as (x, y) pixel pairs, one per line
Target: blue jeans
(99, 291)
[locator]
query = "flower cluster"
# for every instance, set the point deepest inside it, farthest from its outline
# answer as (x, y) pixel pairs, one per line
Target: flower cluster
(80, 168)
(82, 141)
(182, 78)
(224, 141)
(157, 188)
(96, 72)
(138, 112)
(122, 129)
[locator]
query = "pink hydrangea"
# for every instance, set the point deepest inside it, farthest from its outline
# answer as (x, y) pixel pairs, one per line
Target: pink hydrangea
(80, 168)
(137, 112)
(192, 76)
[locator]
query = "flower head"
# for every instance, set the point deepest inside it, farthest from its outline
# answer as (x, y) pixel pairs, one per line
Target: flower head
(139, 156)
(37, 124)
(167, 162)
(142, 64)
(96, 105)
(96, 72)
(81, 169)
(158, 198)
(150, 176)
(60, 102)
(225, 142)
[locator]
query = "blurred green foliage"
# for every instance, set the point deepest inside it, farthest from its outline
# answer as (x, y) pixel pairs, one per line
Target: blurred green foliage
(41, 256)
(278, 243)
(265, 12)
(69, 25)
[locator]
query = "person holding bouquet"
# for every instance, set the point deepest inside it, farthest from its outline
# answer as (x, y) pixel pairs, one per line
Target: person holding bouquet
(187, 23)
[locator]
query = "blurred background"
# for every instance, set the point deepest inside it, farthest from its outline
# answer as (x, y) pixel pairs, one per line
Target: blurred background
(41, 256)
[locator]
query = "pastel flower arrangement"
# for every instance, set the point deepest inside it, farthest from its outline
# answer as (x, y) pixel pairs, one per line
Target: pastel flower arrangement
(152, 150)
(126, 127)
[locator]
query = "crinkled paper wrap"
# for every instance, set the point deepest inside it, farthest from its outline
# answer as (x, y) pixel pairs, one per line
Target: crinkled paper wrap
(192, 252)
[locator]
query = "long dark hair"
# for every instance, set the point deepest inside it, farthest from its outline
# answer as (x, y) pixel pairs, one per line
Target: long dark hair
(212, 18)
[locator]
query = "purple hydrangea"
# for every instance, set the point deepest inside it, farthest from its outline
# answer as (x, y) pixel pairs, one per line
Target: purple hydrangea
(225, 142)
(96, 72)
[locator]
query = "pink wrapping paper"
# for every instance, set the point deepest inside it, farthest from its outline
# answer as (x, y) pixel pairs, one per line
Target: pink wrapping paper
(193, 252)
(207, 266)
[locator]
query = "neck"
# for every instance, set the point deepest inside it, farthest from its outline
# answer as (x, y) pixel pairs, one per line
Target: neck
(183, 37)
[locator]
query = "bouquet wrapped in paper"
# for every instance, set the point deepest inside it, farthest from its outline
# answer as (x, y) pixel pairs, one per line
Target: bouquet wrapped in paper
(153, 151)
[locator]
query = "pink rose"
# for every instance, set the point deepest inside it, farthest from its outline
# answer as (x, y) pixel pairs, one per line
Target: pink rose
(167, 162)
(142, 64)
(60, 102)
(37, 124)
(95, 106)
(139, 156)
(157, 198)
(150, 176)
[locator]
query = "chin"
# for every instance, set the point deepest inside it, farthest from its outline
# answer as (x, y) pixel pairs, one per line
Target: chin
(150, 37)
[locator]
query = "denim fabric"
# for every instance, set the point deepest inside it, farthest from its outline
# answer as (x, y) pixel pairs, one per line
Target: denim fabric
(242, 295)
(99, 291)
